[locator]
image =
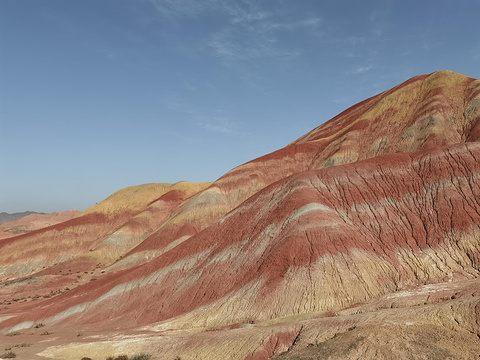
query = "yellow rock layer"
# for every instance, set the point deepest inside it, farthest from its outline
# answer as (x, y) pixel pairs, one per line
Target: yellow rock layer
(136, 198)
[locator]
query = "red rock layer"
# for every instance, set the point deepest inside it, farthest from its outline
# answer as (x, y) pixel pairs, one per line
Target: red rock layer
(324, 239)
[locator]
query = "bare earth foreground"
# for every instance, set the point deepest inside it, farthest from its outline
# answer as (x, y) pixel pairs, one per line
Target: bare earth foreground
(360, 240)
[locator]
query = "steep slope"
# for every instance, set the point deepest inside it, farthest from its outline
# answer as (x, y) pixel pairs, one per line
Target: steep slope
(382, 199)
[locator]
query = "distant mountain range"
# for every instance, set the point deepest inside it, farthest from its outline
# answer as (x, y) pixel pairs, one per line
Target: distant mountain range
(6, 217)
(34, 221)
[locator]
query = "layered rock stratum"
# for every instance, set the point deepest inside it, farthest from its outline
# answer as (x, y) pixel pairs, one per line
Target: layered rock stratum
(361, 239)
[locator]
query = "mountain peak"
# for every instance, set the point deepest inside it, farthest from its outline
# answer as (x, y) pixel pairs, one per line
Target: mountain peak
(424, 112)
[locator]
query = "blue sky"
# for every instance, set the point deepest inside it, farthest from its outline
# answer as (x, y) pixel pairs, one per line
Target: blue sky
(97, 95)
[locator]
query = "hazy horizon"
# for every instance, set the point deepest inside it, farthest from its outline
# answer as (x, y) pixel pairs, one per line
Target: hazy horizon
(100, 95)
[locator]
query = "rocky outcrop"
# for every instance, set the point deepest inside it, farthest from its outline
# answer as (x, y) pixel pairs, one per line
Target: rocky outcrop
(338, 230)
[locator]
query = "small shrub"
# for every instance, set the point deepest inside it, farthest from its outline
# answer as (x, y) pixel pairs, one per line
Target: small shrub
(23, 345)
(13, 333)
(140, 357)
(135, 357)
(46, 333)
(86, 358)
(9, 355)
(121, 357)
(39, 325)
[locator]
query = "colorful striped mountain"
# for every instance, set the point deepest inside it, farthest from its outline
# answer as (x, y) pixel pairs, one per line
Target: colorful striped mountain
(361, 239)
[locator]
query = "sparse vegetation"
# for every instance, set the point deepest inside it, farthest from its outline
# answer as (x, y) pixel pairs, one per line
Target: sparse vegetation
(140, 357)
(16, 281)
(39, 325)
(25, 344)
(8, 355)
(134, 357)
(52, 293)
(13, 333)
(86, 358)
(46, 333)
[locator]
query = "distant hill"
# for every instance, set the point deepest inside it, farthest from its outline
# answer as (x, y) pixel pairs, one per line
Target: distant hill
(6, 217)
(34, 222)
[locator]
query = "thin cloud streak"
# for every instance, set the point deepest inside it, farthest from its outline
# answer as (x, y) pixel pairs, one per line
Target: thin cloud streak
(249, 32)
(221, 125)
(231, 46)
(180, 8)
(238, 12)
(361, 69)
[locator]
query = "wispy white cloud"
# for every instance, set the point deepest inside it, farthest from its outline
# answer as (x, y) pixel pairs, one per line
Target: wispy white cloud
(341, 100)
(210, 119)
(248, 13)
(236, 11)
(246, 32)
(255, 40)
(307, 24)
(177, 104)
(349, 45)
(217, 124)
(181, 8)
(232, 47)
(378, 20)
(361, 69)
(189, 86)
